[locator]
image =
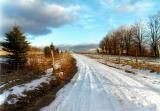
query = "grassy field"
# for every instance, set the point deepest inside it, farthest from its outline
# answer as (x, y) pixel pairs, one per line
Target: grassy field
(65, 68)
(2, 53)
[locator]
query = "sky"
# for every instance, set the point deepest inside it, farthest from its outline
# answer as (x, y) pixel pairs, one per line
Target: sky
(71, 21)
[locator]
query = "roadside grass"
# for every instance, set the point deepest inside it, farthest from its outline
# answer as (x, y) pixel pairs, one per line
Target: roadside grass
(151, 67)
(67, 67)
(144, 65)
(3, 53)
(138, 65)
(36, 66)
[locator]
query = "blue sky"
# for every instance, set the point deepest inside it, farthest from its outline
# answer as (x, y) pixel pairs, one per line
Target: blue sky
(72, 21)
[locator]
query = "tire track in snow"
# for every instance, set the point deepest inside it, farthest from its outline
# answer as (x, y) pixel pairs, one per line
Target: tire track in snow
(69, 90)
(115, 106)
(141, 97)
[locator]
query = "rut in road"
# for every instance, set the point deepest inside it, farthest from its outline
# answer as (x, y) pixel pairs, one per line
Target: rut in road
(96, 87)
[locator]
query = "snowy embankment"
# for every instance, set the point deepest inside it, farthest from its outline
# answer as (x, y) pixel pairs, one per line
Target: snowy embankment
(97, 87)
(19, 90)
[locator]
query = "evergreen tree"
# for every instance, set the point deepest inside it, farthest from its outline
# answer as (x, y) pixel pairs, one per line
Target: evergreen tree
(52, 47)
(47, 51)
(15, 43)
(57, 50)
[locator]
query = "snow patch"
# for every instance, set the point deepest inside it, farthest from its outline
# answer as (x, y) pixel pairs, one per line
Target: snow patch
(20, 89)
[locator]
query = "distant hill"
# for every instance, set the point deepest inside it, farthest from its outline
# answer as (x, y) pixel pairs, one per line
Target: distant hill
(78, 48)
(74, 48)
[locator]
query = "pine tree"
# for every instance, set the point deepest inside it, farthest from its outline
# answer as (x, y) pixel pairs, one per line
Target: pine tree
(47, 51)
(15, 43)
(57, 50)
(52, 47)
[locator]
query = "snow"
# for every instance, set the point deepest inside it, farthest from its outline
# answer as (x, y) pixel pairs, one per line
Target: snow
(144, 75)
(3, 85)
(19, 89)
(3, 60)
(97, 87)
(12, 101)
(3, 97)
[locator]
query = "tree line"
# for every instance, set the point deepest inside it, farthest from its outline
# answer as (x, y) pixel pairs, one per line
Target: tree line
(139, 39)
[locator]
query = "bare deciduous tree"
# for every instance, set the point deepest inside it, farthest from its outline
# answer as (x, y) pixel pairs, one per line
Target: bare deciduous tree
(128, 39)
(154, 28)
(139, 37)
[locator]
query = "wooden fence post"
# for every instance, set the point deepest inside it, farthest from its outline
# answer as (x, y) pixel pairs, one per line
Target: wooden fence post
(53, 61)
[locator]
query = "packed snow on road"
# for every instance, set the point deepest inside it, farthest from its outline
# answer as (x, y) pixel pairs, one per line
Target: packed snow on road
(96, 87)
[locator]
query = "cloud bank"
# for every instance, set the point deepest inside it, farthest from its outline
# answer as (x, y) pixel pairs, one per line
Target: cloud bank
(35, 17)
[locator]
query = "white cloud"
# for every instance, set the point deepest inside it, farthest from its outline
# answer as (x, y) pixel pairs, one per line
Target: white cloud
(36, 17)
(138, 7)
(127, 5)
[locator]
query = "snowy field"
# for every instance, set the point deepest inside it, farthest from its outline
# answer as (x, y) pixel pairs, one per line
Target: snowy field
(98, 87)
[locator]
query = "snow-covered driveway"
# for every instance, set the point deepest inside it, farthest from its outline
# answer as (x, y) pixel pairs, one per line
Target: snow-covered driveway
(97, 87)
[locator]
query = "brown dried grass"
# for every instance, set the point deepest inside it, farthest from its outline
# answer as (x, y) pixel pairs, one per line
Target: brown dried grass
(47, 92)
(67, 67)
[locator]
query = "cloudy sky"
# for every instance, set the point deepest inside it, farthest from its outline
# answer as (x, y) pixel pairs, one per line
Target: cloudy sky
(71, 21)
